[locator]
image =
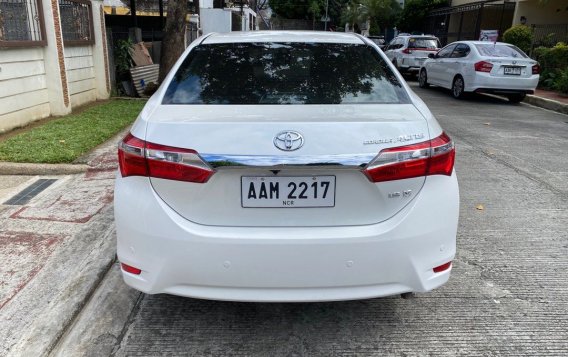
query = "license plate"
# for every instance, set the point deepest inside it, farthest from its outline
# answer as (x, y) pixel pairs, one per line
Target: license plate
(288, 192)
(514, 71)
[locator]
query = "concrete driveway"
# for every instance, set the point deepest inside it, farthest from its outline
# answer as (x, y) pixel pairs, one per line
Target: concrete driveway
(508, 294)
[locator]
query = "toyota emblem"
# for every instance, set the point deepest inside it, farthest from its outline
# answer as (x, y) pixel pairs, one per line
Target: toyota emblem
(288, 140)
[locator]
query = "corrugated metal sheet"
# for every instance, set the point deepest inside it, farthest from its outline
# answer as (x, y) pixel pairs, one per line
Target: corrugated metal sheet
(142, 75)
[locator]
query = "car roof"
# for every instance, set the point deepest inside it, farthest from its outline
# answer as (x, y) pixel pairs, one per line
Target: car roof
(283, 36)
(481, 43)
(425, 36)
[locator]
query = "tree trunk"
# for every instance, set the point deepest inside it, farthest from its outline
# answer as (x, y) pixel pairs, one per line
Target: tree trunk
(174, 33)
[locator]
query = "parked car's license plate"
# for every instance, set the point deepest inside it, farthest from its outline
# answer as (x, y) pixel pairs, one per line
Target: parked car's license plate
(288, 192)
(514, 71)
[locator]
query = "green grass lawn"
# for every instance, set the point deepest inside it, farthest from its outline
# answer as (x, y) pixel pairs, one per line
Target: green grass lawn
(64, 139)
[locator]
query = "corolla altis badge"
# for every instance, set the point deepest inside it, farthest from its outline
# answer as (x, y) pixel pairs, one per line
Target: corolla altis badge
(288, 140)
(398, 139)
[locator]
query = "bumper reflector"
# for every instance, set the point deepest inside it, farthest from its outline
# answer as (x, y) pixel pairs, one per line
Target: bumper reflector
(442, 267)
(130, 269)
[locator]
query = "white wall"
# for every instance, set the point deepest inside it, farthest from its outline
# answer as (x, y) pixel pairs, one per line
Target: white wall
(23, 87)
(536, 12)
(32, 85)
(80, 74)
(553, 12)
(215, 20)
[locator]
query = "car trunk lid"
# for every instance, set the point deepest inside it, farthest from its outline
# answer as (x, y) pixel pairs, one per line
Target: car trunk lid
(238, 141)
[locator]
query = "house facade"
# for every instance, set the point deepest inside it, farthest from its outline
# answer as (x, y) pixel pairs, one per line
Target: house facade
(464, 19)
(534, 11)
(53, 58)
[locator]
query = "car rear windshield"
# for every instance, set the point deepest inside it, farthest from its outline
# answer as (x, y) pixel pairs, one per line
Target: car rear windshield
(499, 50)
(284, 73)
(428, 43)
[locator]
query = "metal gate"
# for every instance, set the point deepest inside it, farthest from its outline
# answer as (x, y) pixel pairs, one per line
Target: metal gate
(464, 22)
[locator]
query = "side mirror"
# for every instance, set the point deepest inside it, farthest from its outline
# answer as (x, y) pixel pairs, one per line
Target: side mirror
(431, 55)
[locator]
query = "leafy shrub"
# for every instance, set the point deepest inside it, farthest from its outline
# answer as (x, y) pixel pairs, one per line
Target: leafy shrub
(561, 82)
(520, 36)
(122, 58)
(552, 58)
(553, 62)
(547, 79)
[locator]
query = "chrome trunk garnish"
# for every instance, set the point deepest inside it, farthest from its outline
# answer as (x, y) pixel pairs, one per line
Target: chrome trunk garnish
(347, 160)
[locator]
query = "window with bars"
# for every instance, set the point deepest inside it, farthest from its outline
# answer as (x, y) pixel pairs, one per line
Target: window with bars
(21, 23)
(76, 22)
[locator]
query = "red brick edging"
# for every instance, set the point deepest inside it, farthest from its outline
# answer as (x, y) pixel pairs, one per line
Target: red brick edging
(104, 41)
(60, 55)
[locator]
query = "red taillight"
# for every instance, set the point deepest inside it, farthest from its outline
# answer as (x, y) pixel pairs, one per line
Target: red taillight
(536, 69)
(442, 267)
(406, 51)
(434, 157)
(483, 66)
(176, 164)
(139, 158)
(130, 269)
(131, 159)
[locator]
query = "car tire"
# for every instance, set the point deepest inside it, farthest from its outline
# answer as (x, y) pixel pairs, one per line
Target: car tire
(458, 87)
(423, 79)
(516, 98)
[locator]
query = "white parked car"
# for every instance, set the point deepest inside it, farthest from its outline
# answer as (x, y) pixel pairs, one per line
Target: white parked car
(408, 52)
(285, 166)
(481, 67)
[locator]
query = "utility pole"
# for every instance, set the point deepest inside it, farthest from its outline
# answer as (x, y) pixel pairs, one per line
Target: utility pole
(326, 7)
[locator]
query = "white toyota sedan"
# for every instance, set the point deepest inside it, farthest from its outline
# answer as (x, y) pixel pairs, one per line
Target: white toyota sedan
(481, 67)
(285, 166)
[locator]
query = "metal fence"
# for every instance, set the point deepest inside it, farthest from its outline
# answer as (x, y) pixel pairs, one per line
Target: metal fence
(76, 22)
(21, 23)
(464, 22)
(548, 35)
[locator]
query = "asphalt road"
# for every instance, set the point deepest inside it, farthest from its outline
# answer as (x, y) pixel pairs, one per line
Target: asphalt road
(508, 294)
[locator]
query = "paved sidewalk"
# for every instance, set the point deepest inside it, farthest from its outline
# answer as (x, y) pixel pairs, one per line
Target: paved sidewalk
(54, 250)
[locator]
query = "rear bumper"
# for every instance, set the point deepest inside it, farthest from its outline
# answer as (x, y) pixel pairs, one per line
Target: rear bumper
(179, 257)
(412, 64)
(483, 82)
(504, 91)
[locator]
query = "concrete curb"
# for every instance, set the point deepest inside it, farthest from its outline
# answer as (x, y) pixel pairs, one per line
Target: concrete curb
(64, 292)
(14, 168)
(545, 103)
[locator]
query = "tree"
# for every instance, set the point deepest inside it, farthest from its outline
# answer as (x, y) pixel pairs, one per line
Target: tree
(315, 10)
(292, 9)
(352, 13)
(174, 33)
(380, 13)
(414, 13)
(335, 11)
